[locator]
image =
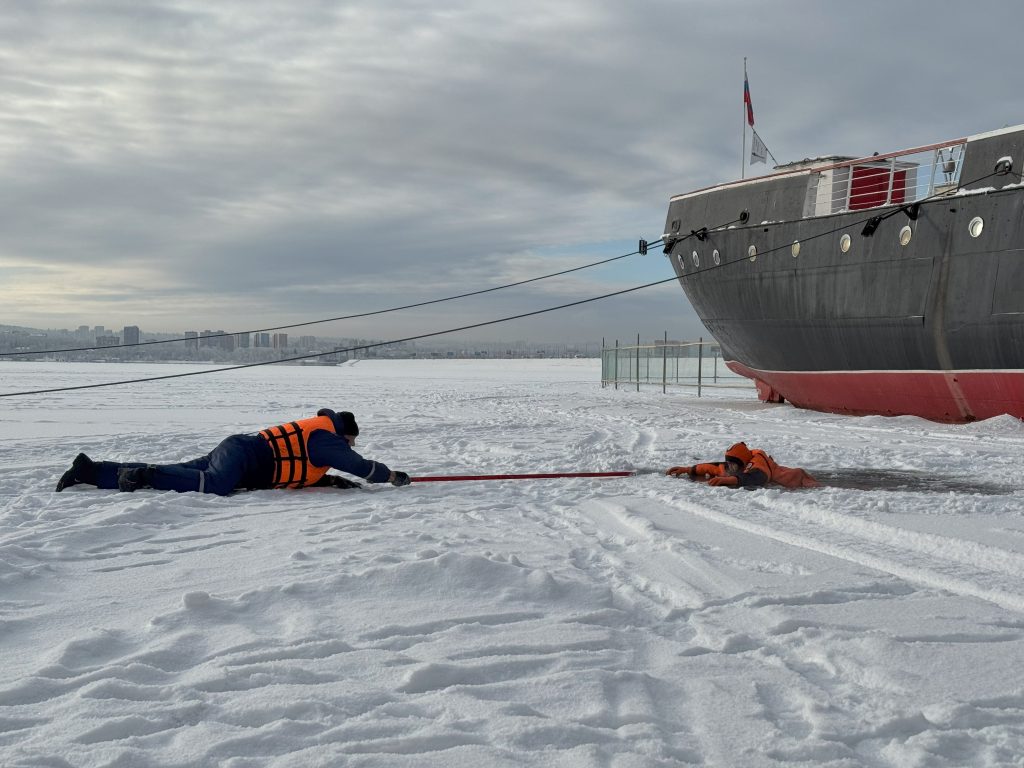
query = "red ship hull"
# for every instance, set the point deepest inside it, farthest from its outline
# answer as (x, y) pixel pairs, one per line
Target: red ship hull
(949, 396)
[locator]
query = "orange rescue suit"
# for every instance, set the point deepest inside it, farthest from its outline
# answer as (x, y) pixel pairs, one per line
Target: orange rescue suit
(789, 477)
(707, 470)
(289, 442)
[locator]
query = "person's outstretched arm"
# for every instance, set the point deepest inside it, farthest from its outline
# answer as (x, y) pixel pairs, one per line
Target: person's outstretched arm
(327, 449)
(701, 471)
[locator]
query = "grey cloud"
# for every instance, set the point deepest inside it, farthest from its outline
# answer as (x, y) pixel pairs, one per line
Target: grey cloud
(301, 158)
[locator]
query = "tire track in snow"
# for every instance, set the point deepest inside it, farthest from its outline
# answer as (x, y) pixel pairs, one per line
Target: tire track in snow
(681, 591)
(807, 678)
(849, 550)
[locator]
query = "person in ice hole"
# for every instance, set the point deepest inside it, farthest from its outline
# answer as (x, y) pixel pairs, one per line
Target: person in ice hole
(293, 455)
(746, 467)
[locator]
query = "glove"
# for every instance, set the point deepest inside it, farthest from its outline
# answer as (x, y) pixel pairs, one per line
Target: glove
(341, 482)
(398, 479)
(679, 471)
(728, 480)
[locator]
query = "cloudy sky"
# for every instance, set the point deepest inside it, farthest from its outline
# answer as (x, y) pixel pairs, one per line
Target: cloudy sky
(190, 164)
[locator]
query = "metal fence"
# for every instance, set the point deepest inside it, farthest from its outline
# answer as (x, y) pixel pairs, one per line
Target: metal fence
(899, 178)
(667, 364)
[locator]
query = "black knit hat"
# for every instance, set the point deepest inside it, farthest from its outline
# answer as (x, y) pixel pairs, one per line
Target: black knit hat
(344, 422)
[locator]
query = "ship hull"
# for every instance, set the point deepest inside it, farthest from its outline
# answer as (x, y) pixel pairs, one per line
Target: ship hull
(947, 396)
(920, 314)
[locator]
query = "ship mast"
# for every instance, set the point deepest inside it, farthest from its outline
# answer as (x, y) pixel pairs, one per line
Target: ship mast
(743, 151)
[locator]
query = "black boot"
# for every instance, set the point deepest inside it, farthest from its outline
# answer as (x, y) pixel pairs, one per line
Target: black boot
(132, 478)
(82, 471)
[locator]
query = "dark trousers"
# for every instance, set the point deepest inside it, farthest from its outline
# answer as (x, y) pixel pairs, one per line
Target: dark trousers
(240, 461)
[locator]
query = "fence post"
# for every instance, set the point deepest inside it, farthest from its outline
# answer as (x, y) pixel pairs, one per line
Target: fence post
(638, 362)
(700, 361)
(616, 363)
(664, 363)
(716, 367)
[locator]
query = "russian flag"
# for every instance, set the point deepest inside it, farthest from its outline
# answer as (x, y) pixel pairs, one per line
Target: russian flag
(746, 100)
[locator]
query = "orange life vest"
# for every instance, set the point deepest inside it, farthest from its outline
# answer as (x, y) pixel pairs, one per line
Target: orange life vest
(292, 467)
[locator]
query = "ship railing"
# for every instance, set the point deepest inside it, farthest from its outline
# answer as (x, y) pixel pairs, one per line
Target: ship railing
(692, 364)
(899, 178)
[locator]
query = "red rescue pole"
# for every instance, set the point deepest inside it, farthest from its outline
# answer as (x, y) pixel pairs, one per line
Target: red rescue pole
(536, 476)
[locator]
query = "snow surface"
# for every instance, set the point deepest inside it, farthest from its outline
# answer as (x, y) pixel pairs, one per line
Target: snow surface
(645, 621)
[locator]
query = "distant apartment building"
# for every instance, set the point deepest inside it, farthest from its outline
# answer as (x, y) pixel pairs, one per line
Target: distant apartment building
(261, 339)
(108, 340)
(242, 340)
(191, 340)
(280, 340)
(99, 330)
(130, 334)
(218, 339)
(307, 342)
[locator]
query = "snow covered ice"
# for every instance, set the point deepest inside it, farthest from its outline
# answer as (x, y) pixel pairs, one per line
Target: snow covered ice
(644, 621)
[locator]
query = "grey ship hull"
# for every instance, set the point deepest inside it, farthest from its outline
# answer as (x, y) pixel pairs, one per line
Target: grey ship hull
(930, 325)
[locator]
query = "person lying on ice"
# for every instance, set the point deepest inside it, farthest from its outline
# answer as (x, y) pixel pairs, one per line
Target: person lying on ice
(293, 455)
(746, 467)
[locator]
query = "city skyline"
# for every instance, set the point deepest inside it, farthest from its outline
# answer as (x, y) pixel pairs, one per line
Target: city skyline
(147, 336)
(99, 342)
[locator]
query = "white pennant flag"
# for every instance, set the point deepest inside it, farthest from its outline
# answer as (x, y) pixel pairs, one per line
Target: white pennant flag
(758, 151)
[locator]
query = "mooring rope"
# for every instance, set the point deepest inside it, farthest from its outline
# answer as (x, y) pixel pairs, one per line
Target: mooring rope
(693, 233)
(342, 317)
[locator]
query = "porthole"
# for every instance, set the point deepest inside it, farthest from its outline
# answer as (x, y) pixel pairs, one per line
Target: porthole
(976, 227)
(795, 248)
(906, 234)
(717, 257)
(681, 262)
(696, 259)
(844, 243)
(752, 252)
